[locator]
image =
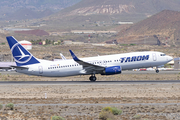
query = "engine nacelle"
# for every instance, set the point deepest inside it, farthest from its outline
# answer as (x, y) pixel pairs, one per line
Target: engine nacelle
(112, 70)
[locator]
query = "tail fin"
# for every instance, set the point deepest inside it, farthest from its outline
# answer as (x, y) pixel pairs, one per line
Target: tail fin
(20, 54)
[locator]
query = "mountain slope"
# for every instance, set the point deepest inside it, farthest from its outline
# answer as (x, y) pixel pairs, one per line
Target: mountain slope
(9, 7)
(25, 13)
(165, 25)
(87, 7)
(89, 13)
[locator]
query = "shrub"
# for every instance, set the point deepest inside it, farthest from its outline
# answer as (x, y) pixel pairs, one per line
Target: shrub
(137, 117)
(1, 106)
(107, 109)
(132, 44)
(116, 111)
(106, 115)
(57, 118)
(113, 110)
(10, 105)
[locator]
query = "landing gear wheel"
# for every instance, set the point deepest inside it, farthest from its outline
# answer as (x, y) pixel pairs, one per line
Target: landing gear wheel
(92, 78)
(157, 71)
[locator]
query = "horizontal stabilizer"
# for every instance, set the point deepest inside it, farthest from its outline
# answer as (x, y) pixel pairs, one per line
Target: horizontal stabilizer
(18, 67)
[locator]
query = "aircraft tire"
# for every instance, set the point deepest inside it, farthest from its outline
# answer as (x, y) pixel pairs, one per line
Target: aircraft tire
(92, 78)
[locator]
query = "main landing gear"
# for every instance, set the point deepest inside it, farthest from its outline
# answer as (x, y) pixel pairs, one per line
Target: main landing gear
(157, 71)
(92, 78)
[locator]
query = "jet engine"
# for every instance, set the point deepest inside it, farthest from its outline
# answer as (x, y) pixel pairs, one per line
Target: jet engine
(112, 70)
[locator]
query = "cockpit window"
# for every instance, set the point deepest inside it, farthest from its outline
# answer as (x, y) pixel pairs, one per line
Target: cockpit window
(163, 54)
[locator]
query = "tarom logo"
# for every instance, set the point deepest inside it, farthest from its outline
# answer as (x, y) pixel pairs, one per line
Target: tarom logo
(19, 55)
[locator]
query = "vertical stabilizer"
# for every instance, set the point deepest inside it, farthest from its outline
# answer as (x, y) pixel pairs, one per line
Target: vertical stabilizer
(20, 54)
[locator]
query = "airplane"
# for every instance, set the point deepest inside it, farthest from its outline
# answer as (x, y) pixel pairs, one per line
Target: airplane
(105, 65)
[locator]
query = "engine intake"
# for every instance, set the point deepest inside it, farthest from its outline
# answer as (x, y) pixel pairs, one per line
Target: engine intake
(112, 70)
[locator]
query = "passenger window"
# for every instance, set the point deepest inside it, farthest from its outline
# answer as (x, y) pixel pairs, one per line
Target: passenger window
(163, 55)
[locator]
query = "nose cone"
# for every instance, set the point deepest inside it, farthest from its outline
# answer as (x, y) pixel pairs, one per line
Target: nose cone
(170, 58)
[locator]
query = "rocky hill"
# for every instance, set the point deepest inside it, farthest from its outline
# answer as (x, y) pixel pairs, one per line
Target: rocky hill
(110, 11)
(164, 26)
(93, 13)
(147, 7)
(30, 9)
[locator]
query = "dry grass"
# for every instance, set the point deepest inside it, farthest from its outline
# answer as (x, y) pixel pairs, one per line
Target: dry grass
(95, 94)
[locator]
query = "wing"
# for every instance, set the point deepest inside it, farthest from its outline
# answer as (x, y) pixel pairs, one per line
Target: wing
(88, 68)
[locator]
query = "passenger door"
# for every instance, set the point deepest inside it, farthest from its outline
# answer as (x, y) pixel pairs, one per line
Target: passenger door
(154, 56)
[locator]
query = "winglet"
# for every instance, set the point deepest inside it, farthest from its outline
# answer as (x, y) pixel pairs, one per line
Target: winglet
(62, 56)
(74, 56)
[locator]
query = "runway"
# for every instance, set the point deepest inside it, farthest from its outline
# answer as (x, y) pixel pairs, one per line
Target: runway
(114, 82)
(88, 82)
(123, 72)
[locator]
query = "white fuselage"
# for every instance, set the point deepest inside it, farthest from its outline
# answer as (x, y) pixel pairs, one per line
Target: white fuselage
(71, 68)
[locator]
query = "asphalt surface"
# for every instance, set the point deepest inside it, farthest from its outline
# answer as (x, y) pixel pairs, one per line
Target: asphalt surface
(90, 83)
(87, 82)
(123, 72)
